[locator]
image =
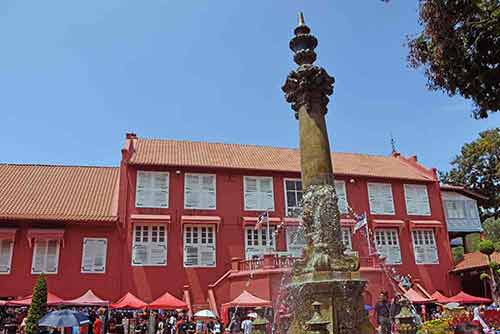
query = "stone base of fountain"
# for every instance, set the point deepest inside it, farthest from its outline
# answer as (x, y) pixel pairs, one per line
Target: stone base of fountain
(341, 296)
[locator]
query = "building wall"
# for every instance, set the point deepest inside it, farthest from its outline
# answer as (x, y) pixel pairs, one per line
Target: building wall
(69, 282)
(230, 236)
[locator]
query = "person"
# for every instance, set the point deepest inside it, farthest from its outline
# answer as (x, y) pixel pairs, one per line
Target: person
(172, 321)
(477, 318)
(199, 327)
(246, 326)
(467, 328)
(97, 326)
(216, 327)
(383, 314)
(160, 329)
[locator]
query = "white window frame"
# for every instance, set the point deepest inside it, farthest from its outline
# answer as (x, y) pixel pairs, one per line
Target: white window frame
(286, 195)
(385, 232)
(342, 184)
(293, 247)
(347, 238)
(186, 175)
(245, 191)
(150, 233)
(433, 242)
(260, 249)
(11, 250)
(94, 271)
(167, 195)
(421, 187)
(35, 248)
(199, 243)
(375, 184)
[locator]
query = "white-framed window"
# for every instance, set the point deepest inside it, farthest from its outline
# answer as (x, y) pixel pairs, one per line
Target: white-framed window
(199, 246)
(259, 241)
(341, 196)
(347, 238)
(6, 250)
(94, 255)
(45, 256)
(259, 195)
(380, 198)
(151, 189)
(149, 246)
(417, 200)
(295, 240)
(199, 191)
(387, 245)
(293, 196)
(424, 247)
(458, 206)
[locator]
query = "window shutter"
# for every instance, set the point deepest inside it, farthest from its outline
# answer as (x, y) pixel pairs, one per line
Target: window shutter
(411, 200)
(251, 194)
(88, 256)
(143, 184)
(266, 194)
(5, 255)
(51, 260)
(140, 254)
(417, 200)
(152, 189)
(388, 203)
(100, 255)
(380, 197)
(207, 255)
(190, 255)
(158, 254)
(208, 187)
(341, 195)
(192, 191)
(295, 241)
(39, 256)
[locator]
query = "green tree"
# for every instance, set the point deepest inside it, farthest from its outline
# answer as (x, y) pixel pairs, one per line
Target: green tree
(487, 247)
(491, 227)
(459, 49)
(477, 167)
(38, 306)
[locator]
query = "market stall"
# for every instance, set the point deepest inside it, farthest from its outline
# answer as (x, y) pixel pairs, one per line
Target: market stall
(245, 299)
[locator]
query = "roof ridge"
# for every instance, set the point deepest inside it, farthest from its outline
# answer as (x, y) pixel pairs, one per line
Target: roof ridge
(56, 165)
(254, 145)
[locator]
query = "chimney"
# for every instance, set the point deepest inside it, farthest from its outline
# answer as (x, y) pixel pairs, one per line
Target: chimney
(130, 135)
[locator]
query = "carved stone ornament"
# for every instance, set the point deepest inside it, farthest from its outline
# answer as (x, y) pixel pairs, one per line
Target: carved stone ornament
(308, 85)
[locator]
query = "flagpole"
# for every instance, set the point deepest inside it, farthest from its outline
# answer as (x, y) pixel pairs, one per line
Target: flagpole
(368, 236)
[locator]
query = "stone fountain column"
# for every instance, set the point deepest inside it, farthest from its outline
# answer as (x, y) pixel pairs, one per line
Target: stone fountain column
(326, 276)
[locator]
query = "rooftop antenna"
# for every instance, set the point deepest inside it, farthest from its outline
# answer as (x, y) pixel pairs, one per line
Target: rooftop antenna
(393, 145)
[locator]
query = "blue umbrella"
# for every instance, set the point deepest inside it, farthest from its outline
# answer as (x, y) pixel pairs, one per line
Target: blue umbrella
(368, 307)
(63, 318)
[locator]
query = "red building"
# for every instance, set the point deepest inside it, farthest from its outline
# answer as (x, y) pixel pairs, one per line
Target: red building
(180, 216)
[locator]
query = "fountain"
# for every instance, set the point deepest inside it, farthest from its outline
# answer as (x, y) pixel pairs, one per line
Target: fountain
(325, 290)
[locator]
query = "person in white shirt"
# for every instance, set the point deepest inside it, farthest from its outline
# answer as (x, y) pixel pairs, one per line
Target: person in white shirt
(246, 326)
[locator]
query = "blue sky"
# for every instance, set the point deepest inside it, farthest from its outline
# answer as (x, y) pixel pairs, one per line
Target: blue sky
(75, 76)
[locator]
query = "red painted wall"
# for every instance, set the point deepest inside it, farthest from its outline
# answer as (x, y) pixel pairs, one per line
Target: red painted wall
(150, 282)
(69, 282)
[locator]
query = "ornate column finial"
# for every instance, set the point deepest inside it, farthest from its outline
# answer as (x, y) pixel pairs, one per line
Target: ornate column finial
(303, 44)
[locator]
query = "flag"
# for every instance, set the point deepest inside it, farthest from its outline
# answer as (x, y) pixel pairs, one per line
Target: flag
(263, 218)
(360, 222)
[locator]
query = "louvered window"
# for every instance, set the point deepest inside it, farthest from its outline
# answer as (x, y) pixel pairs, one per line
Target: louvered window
(346, 238)
(293, 194)
(417, 200)
(6, 249)
(259, 194)
(199, 191)
(45, 257)
(295, 240)
(387, 245)
(259, 241)
(94, 255)
(199, 246)
(424, 247)
(380, 198)
(341, 196)
(149, 245)
(152, 189)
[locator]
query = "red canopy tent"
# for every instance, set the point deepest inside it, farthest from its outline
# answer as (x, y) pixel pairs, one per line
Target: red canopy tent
(88, 298)
(440, 298)
(129, 301)
(417, 298)
(167, 302)
(52, 300)
(464, 298)
(245, 299)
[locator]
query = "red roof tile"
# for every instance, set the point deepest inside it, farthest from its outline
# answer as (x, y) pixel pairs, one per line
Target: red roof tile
(157, 152)
(67, 193)
(475, 260)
